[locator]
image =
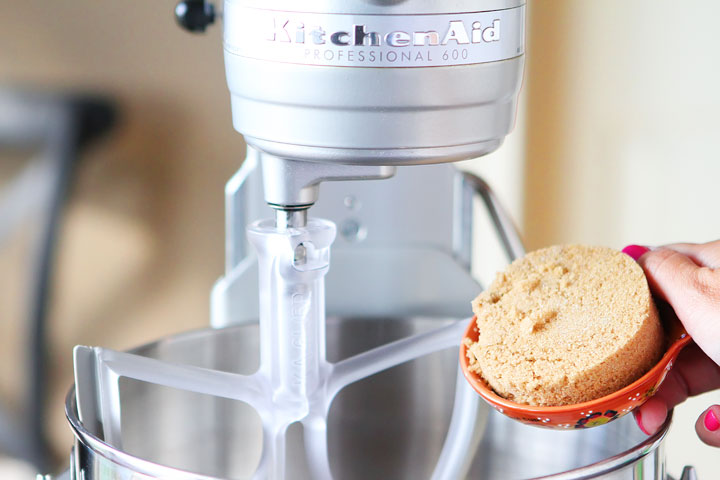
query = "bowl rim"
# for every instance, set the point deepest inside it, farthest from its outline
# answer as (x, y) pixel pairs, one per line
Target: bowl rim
(484, 390)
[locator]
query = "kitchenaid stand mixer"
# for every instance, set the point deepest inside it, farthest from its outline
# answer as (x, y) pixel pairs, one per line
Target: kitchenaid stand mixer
(331, 91)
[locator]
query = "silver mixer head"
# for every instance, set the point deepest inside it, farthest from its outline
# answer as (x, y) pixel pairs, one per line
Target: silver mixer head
(371, 82)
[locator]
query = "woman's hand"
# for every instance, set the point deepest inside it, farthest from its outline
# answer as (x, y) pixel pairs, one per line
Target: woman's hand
(687, 277)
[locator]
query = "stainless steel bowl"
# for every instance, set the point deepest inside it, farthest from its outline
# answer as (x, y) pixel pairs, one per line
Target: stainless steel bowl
(390, 426)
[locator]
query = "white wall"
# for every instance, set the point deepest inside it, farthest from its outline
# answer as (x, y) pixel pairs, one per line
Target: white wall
(623, 139)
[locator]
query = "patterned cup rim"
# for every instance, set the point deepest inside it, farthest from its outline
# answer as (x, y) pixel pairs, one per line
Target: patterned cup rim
(677, 339)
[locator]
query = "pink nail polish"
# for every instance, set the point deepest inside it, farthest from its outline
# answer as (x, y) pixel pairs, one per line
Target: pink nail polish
(711, 421)
(635, 251)
(638, 420)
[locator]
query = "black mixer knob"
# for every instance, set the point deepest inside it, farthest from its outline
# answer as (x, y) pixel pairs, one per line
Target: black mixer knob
(195, 15)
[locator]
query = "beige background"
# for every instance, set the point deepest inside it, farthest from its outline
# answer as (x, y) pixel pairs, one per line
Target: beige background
(623, 140)
(143, 238)
(617, 143)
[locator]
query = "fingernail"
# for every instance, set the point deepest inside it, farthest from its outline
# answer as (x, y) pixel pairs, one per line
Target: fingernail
(635, 251)
(711, 421)
(638, 420)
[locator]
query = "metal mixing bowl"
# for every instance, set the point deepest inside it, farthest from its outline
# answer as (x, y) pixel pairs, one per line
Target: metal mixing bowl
(389, 426)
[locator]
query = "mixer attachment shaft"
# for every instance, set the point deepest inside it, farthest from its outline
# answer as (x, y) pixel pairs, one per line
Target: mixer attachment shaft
(294, 383)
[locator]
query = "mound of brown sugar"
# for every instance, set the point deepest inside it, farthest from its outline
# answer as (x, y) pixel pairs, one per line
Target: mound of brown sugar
(565, 325)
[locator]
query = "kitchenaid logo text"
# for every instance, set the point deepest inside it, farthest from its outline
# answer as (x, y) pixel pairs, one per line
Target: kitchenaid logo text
(457, 33)
(378, 41)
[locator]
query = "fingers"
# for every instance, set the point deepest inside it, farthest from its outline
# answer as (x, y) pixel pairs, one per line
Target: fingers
(692, 291)
(703, 254)
(694, 373)
(651, 415)
(687, 277)
(708, 426)
(670, 274)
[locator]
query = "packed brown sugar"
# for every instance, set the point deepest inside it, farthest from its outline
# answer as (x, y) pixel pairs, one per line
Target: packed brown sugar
(565, 325)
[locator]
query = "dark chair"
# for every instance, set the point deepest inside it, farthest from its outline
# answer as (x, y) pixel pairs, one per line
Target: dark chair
(57, 127)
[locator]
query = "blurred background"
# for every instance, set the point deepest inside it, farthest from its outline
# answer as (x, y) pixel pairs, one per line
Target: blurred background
(617, 142)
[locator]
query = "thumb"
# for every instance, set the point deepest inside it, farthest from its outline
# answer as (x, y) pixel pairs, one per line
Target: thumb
(671, 275)
(692, 291)
(708, 426)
